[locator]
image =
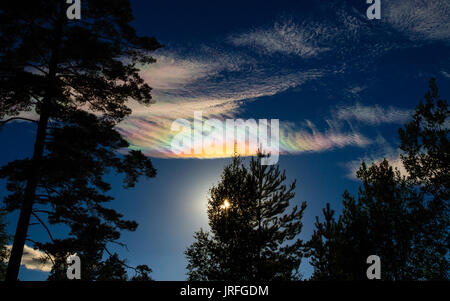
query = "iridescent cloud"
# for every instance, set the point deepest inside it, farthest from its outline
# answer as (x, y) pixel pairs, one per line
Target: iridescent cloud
(218, 80)
(217, 88)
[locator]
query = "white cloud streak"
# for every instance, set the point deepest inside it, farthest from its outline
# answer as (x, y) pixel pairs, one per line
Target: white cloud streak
(445, 74)
(295, 139)
(32, 259)
(373, 115)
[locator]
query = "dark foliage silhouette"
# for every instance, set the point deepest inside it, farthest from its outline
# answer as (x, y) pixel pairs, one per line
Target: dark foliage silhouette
(426, 147)
(402, 219)
(380, 221)
(61, 68)
(4, 238)
(253, 230)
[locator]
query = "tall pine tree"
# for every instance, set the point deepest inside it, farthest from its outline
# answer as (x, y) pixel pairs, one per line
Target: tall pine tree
(426, 156)
(60, 68)
(254, 227)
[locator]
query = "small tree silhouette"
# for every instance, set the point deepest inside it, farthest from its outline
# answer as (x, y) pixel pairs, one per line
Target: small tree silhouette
(404, 219)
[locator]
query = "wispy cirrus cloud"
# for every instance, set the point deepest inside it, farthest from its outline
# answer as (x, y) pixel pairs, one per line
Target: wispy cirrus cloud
(188, 83)
(218, 79)
(298, 139)
(219, 74)
(356, 90)
(184, 84)
(287, 38)
(343, 36)
(419, 19)
(445, 73)
(175, 72)
(373, 115)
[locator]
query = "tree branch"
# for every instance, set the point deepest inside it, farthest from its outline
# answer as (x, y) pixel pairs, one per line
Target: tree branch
(44, 225)
(43, 211)
(46, 253)
(3, 122)
(120, 261)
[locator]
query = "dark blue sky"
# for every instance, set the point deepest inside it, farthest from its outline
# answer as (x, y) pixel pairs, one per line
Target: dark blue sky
(344, 85)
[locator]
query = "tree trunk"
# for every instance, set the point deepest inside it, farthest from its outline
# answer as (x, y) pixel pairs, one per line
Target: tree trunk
(12, 271)
(20, 237)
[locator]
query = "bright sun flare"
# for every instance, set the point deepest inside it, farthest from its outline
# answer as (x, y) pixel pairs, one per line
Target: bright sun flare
(226, 205)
